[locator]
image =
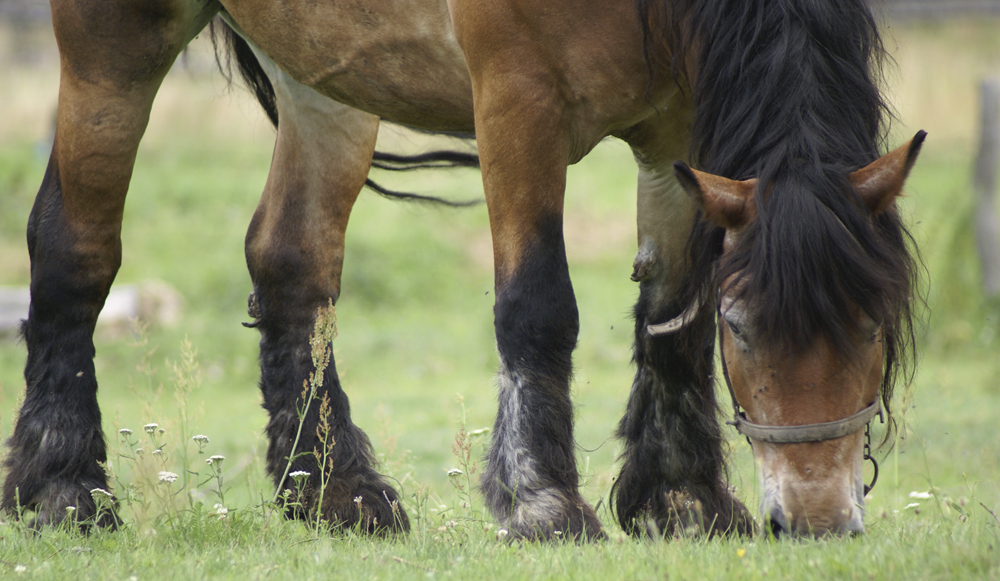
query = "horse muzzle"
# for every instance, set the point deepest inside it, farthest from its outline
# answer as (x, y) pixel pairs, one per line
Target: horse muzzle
(810, 504)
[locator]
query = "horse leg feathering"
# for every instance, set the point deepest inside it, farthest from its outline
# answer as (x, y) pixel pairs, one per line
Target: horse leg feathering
(295, 254)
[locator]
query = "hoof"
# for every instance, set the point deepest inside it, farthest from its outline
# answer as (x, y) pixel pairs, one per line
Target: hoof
(678, 514)
(369, 506)
(59, 501)
(372, 509)
(551, 516)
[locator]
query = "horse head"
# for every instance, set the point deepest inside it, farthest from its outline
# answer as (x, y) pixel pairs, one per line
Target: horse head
(807, 392)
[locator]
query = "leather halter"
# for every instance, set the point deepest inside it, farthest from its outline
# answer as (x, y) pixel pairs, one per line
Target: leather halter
(818, 432)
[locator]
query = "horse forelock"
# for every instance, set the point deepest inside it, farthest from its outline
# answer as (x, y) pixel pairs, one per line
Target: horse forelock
(788, 92)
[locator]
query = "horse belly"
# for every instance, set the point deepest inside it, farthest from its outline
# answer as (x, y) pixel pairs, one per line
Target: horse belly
(397, 59)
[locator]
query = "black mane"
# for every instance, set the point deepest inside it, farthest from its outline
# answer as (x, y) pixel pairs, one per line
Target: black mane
(787, 91)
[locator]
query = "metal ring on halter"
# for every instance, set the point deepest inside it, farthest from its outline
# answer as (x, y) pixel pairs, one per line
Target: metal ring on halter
(868, 456)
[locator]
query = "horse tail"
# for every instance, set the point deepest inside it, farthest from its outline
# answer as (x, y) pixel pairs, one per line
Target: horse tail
(234, 47)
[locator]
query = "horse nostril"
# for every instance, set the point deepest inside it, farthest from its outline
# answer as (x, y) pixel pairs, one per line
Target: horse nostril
(777, 522)
(775, 528)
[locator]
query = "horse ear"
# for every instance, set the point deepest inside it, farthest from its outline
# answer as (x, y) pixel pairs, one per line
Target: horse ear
(726, 202)
(880, 182)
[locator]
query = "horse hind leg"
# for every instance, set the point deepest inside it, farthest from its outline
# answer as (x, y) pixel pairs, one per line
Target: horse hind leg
(295, 252)
(110, 73)
(672, 479)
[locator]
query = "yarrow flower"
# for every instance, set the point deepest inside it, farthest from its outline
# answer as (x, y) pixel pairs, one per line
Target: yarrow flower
(150, 428)
(298, 474)
(20, 569)
(455, 472)
(221, 511)
(99, 492)
(138, 451)
(157, 452)
(357, 500)
(216, 460)
(921, 495)
(168, 477)
(200, 439)
(125, 432)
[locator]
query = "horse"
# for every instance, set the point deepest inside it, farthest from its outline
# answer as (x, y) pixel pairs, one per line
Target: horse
(784, 238)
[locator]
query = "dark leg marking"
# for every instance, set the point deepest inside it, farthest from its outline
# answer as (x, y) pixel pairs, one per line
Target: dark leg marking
(57, 447)
(531, 480)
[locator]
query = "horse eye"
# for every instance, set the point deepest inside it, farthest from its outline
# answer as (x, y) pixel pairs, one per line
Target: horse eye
(735, 329)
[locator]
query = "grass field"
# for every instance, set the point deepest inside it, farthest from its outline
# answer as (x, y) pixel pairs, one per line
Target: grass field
(417, 357)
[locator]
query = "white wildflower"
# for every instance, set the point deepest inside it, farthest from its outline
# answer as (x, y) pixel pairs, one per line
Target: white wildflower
(502, 533)
(455, 472)
(201, 439)
(20, 569)
(70, 510)
(215, 460)
(98, 492)
(168, 477)
(221, 511)
(298, 474)
(921, 495)
(357, 500)
(150, 428)
(911, 505)
(138, 451)
(157, 452)
(125, 432)
(479, 432)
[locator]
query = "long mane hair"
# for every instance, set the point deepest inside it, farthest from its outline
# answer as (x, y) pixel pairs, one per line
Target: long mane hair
(788, 92)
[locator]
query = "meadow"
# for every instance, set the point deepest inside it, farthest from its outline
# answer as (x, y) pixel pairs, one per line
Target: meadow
(416, 354)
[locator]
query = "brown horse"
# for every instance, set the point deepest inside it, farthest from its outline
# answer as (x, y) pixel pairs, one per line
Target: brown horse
(811, 257)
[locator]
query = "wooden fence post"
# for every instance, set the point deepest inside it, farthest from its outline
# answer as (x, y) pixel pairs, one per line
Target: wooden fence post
(985, 182)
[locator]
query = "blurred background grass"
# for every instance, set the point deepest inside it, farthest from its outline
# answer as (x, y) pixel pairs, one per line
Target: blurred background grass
(415, 317)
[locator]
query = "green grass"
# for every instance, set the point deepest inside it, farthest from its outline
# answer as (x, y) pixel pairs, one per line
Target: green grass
(416, 353)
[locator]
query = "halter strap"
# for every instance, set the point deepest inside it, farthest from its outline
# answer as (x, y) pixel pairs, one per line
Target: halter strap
(677, 323)
(809, 432)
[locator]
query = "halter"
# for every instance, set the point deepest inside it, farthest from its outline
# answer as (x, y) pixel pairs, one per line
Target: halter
(819, 432)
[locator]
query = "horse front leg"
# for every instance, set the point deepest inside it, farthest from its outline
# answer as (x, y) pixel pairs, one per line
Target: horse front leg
(531, 481)
(110, 73)
(295, 254)
(672, 477)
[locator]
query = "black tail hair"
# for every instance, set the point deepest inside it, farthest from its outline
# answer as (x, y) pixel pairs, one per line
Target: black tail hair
(233, 47)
